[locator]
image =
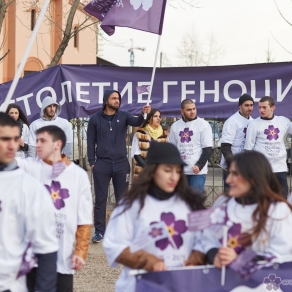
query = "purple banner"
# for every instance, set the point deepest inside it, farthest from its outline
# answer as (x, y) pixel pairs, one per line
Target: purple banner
(209, 280)
(79, 88)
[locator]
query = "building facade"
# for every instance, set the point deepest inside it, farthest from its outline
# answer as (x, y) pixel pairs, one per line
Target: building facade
(19, 22)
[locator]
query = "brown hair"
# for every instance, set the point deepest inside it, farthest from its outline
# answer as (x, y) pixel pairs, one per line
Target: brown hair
(265, 189)
(269, 99)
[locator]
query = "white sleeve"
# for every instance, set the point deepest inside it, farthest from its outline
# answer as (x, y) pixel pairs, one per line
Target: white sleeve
(25, 134)
(40, 222)
(289, 131)
(210, 238)
(135, 147)
(68, 149)
(251, 136)
(228, 132)
(279, 243)
(32, 141)
(171, 136)
(85, 206)
(206, 136)
(119, 233)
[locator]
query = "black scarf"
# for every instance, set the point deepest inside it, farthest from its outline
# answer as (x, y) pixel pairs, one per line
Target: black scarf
(157, 193)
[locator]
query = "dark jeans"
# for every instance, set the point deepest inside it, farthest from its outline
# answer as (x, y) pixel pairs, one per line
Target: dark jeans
(282, 179)
(103, 172)
(64, 281)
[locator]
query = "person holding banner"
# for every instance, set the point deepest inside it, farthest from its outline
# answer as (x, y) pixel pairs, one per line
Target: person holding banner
(27, 221)
(107, 153)
(148, 228)
(193, 138)
(150, 131)
(18, 115)
(266, 134)
(257, 216)
(50, 117)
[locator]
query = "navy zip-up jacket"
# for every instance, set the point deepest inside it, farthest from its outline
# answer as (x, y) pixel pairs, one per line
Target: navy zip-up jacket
(107, 140)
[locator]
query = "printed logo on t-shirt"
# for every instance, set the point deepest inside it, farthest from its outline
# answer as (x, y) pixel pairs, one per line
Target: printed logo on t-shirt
(58, 194)
(234, 236)
(175, 229)
(272, 132)
(127, 177)
(244, 131)
(185, 135)
(0, 206)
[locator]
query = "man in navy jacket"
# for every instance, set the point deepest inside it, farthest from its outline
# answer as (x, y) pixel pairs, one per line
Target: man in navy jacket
(107, 153)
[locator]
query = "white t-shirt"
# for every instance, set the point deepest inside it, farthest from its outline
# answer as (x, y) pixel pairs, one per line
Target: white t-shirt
(60, 122)
(123, 229)
(25, 138)
(190, 138)
(267, 137)
(26, 216)
(278, 240)
(73, 208)
(234, 133)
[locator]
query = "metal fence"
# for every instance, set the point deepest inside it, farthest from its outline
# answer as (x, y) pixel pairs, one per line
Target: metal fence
(214, 182)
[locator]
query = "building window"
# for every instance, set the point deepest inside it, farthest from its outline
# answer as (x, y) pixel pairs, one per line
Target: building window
(32, 19)
(76, 39)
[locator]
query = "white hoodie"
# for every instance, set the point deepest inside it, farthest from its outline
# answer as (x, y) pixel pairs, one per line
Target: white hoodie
(56, 121)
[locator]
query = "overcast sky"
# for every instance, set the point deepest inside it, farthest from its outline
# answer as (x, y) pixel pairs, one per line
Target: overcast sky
(243, 30)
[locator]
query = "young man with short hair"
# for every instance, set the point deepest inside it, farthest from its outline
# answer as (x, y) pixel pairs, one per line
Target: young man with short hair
(70, 191)
(27, 223)
(107, 153)
(193, 138)
(234, 131)
(266, 135)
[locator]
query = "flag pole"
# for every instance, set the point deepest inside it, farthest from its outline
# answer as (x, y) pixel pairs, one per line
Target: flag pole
(224, 244)
(153, 74)
(25, 56)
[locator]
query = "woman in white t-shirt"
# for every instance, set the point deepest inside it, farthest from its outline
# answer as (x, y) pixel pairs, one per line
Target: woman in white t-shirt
(150, 131)
(18, 115)
(257, 216)
(160, 196)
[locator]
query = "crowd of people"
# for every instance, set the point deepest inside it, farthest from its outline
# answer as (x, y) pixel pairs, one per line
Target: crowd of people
(45, 221)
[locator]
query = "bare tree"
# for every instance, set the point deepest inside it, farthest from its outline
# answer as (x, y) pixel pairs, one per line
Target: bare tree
(4, 4)
(269, 55)
(194, 53)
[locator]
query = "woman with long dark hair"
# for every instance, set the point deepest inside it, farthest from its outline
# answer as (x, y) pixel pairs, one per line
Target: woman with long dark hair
(258, 217)
(18, 115)
(159, 195)
(150, 131)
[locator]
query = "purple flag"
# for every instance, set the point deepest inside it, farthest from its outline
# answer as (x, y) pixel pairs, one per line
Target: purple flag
(199, 220)
(142, 89)
(146, 15)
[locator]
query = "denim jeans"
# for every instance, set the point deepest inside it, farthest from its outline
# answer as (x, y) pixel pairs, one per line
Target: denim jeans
(197, 182)
(282, 179)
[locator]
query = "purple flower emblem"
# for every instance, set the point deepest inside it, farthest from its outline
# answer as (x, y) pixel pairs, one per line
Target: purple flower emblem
(28, 262)
(272, 133)
(155, 232)
(233, 238)
(175, 229)
(58, 194)
(244, 131)
(185, 135)
(273, 282)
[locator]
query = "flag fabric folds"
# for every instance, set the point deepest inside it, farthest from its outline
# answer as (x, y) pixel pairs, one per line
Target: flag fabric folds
(146, 15)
